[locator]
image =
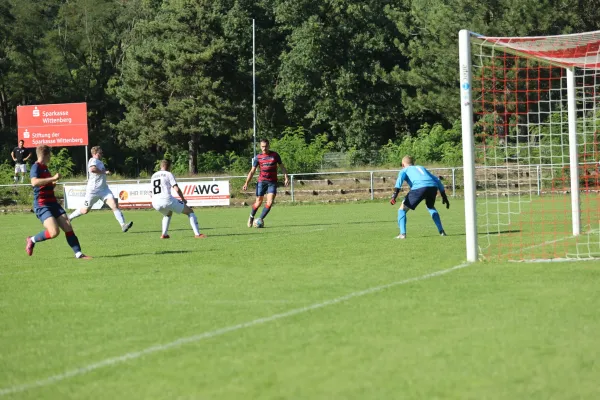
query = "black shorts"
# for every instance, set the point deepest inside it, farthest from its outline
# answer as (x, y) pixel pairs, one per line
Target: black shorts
(414, 197)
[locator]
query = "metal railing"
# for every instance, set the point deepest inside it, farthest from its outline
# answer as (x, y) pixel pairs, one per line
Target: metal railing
(451, 178)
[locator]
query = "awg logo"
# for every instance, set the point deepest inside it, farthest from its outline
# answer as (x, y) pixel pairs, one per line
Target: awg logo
(201, 189)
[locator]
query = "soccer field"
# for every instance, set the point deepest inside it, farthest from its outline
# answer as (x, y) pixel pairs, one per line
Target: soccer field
(323, 303)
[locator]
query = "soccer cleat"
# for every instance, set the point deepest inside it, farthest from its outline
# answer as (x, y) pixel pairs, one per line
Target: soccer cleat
(442, 233)
(200, 236)
(30, 245)
(84, 257)
(401, 236)
(125, 227)
(250, 222)
(165, 236)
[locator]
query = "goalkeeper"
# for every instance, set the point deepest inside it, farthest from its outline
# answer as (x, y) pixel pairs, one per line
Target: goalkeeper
(423, 185)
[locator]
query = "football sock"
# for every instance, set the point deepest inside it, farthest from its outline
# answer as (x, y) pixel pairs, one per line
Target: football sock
(402, 221)
(265, 211)
(165, 224)
(73, 242)
(436, 218)
(40, 237)
(119, 216)
(15, 179)
(253, 212)
(194, 224)
(75, 214)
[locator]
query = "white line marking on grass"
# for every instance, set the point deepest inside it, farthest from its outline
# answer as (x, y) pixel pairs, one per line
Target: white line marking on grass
(210, 334)
(256, 301)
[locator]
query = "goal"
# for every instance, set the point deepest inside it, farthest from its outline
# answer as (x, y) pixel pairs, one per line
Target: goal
(531, 147)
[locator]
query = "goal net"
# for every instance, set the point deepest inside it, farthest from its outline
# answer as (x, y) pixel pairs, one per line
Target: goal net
(531, 146)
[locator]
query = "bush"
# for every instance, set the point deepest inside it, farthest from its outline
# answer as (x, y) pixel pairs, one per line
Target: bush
(238, 164)
(62, 163)
(7, 171)
(432, 144)
(179, 164)
(297, 155)
(211, 161)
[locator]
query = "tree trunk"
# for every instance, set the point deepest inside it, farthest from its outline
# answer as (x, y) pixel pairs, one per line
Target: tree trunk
(193, 154)
(3, 112)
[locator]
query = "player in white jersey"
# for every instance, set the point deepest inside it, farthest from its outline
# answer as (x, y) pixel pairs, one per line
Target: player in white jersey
(97, 189)
(163, 201)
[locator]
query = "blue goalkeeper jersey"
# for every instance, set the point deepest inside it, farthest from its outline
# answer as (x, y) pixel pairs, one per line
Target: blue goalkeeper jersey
(418, 177)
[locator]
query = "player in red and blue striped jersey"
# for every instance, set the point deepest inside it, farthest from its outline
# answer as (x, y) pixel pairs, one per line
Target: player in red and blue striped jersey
(47, 208)
(267, 161)
(423, 186)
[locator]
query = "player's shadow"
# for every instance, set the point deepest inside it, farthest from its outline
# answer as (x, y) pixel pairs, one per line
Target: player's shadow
(501, 232)
(481, 233)
(229, 234)
(171, 230)
(154, 253)
(328, 224)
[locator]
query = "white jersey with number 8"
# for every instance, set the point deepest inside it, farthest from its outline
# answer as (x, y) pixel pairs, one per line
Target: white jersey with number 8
(162, 199)
(162, 182)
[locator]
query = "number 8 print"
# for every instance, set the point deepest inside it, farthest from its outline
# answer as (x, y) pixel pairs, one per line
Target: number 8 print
(156, 184)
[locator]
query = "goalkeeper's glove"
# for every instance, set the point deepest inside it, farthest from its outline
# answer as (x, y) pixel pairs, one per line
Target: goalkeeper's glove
(445, 200)
(394, 195)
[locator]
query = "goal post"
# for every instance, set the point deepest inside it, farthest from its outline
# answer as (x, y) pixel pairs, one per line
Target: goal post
(468, 146)
(530, 113)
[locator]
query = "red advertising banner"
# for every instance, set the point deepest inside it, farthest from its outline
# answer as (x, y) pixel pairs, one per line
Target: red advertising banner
(55, 125)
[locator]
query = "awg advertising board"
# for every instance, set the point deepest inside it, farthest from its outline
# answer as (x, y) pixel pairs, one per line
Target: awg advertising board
(139, 195)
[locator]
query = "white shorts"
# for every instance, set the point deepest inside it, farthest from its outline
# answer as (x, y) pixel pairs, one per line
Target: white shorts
(92, 197)
(20, 168)
(163, 205)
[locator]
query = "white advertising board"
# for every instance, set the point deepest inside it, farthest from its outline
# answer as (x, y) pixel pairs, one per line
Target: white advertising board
(139, 195)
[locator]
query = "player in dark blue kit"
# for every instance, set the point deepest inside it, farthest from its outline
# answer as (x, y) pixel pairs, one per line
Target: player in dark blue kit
(20, 155)
(267, 161)
(47, 208)
(423, 186)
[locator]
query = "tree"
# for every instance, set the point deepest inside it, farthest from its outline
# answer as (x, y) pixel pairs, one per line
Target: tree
(181, 81)
(431, 28)
(335, 75)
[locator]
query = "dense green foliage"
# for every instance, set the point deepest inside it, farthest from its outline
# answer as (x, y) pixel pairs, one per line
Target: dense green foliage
(175, 76)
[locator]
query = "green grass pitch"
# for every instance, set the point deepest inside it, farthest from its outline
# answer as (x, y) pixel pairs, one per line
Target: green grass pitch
(323, 303)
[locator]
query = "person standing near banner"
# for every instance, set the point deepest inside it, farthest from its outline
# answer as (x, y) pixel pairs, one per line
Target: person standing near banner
(97, 189)
(20, 155)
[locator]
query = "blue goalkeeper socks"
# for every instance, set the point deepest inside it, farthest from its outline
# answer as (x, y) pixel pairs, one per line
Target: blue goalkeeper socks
(436, 218)
(402, 221)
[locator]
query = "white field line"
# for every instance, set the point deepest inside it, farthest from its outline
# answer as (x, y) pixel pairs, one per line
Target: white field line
(218, 332)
